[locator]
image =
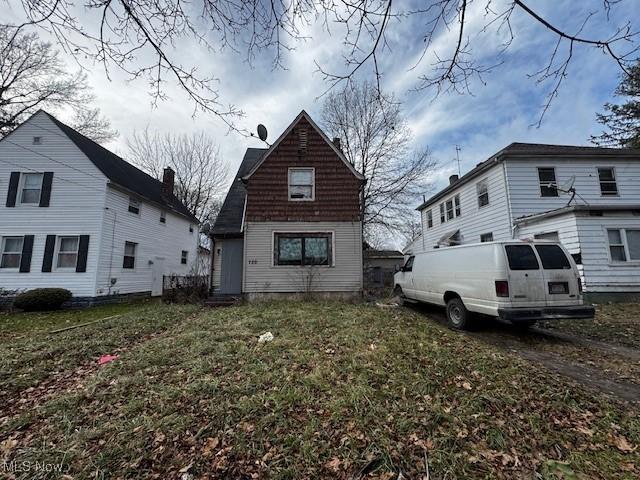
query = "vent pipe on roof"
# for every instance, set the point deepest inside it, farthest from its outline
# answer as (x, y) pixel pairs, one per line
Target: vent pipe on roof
(453, 179)
(168, 179)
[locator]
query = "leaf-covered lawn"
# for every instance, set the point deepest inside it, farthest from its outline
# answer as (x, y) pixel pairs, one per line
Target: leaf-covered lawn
(617, 323)
(343, 391)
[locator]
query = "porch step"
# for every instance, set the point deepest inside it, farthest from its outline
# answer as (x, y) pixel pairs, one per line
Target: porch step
(218, 300)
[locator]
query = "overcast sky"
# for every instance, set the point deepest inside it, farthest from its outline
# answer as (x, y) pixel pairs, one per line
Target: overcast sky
(500, 111)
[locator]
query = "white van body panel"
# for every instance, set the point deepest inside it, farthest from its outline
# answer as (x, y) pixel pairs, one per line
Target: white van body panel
(470, 272)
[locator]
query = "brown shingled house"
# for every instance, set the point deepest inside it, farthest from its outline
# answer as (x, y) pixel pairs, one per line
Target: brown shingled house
(291, 220)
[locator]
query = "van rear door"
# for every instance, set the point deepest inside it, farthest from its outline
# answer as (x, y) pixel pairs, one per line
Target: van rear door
(526, 280)
(560, 278)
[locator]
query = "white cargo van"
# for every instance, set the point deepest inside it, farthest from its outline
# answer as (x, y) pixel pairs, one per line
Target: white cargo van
(519, 281)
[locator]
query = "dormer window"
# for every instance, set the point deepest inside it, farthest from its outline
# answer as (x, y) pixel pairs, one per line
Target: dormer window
(134, 205)
(301, 184)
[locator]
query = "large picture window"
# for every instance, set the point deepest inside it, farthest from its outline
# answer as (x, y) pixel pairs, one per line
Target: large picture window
(303, 249)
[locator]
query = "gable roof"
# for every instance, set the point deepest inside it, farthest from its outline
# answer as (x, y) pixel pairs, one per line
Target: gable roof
(518, 150)
(229, 220)
(305, 115)
(122, 173)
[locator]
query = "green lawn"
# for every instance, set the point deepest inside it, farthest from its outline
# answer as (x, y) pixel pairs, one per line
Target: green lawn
(343, 391)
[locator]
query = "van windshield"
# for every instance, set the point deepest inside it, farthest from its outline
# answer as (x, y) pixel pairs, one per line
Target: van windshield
(521, 257)
(552, 257)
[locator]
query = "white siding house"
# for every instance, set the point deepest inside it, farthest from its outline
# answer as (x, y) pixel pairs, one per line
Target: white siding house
(588, 198)
(69, 209)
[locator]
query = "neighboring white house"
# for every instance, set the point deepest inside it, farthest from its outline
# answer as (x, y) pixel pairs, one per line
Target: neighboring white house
(517, 193)
(75, 215)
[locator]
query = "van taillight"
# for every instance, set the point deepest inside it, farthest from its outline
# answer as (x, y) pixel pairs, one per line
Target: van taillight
(502, 288)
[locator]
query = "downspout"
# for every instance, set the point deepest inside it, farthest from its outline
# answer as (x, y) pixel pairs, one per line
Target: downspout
(512, 226)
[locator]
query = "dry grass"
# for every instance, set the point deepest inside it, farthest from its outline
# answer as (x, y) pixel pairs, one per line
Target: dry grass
(344, 391)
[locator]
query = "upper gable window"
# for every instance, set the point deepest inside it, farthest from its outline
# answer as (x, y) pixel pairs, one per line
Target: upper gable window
(31, 188)
(134, 205)
(607, 177)
(483, 193)
(301, 184)
(547, 178)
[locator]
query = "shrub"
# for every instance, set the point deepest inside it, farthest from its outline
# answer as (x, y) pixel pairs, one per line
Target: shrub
(42, 299)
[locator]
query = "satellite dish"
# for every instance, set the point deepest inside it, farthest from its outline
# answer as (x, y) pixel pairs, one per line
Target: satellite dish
(568, 185)
(262, 132)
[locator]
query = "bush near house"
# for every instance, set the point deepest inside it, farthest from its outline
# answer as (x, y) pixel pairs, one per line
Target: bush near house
(42, 299)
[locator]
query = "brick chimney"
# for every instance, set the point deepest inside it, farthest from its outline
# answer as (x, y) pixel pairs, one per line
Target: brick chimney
(336, 142)
(168, 178)
(453, 179)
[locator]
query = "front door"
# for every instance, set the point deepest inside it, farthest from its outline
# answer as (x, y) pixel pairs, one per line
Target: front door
(231, 267)
(157, 276)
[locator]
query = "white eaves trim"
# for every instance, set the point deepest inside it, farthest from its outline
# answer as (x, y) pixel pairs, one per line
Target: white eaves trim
(322, 134)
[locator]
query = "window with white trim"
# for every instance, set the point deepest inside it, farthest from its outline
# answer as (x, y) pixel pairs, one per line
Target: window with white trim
(31, 188)
(547, 179)
(129, 260)
(11, 252)
(301, 184)
(607, 178)
(302, 249)
(67, 252)
(624, 244)
(456, 202)
(429, 219)
(442, 217)
(449, 205)
(184, 256)
(482, 189)
(134, 205)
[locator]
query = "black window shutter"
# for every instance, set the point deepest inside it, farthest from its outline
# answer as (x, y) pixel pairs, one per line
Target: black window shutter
(13, 189)
(49, 246)
(45, 195)
(83, 250)
(27, 249)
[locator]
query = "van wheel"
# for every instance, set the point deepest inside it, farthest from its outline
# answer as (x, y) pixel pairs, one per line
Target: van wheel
(458, 316)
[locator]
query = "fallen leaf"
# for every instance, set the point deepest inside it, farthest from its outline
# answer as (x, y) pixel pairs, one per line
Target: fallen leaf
(333, 464)
(210, 445)
(466, 386)
(621, 443)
